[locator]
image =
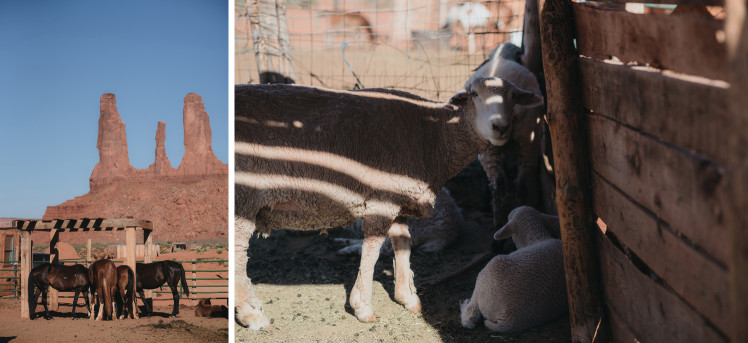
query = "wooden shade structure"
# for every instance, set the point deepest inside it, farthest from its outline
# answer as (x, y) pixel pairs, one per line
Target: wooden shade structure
(57, 226)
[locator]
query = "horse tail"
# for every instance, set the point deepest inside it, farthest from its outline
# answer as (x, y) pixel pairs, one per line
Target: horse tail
(32, 298)
(108, 296)
(184, 281)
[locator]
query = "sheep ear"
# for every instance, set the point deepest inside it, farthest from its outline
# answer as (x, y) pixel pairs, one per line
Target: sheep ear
(504, 232)
(525, 98)
(459, 99)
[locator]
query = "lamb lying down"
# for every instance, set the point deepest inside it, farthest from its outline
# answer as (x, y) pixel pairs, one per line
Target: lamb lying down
(429, 234)
(526, 288)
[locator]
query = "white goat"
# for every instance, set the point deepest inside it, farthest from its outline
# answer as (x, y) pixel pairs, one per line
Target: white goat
(526, 288)
(520, 147)
(429, 234)
(310, 158)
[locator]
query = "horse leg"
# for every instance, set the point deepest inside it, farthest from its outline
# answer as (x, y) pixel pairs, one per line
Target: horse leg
(101, 301)
(32, 309)
(175, 294)
(145, 302)
(75, 301)
(88, 305)
(44, 300)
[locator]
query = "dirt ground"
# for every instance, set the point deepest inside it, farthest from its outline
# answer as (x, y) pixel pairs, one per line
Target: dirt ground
(62, 328)
(305, 286)
(158, 328)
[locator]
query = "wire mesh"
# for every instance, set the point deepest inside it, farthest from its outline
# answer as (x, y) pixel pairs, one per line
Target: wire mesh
(426, 47)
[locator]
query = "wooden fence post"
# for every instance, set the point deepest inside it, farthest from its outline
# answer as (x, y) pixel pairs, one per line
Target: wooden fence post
(25, 270)
(148, 257)
(193, 296)
(54, 258)
(567, 121)
(88, 253)
(737, 164)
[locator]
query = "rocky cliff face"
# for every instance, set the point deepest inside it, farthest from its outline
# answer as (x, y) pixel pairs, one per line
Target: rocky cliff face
(186, 203)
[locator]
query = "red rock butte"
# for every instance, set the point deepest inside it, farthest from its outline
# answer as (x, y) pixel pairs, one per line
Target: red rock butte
(186, 203)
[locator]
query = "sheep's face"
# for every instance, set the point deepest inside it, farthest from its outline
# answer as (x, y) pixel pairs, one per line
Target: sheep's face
(494, 100)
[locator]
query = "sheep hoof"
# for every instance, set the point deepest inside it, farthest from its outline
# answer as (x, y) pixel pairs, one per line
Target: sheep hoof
(366, 316)
(417, 308)
(251, 317)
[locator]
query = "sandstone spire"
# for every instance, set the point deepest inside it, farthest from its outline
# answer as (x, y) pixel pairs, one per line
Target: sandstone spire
(114, 161)
(198, 152)
(161, 165)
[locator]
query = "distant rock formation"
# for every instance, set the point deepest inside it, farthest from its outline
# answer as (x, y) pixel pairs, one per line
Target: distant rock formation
(186, 203)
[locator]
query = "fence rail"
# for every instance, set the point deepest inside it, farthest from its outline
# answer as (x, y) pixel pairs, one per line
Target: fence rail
(14, 289)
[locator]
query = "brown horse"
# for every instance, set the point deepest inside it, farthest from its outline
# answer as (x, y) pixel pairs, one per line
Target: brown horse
(125, 296)
(154, 275)
(103, 276)
(62, 278)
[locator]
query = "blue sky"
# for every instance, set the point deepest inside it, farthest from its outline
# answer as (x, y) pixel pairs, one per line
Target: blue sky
(58, 57)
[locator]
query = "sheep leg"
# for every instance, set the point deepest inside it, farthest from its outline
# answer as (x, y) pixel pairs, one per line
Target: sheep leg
(405, 290)
(360, 298)
(248, 307)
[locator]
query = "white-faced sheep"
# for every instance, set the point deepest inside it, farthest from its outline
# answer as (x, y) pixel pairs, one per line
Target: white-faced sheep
(430, 234)
(512, 164)
(526, 288)
(309, 158)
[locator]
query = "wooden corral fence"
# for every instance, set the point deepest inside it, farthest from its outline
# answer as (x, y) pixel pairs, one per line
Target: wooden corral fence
(56, 226)
(10, 243)
(648, 122)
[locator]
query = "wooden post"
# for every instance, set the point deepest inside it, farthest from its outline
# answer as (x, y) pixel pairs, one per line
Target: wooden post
(567, 122)
(193, 296)
(25, 270)
(88, 253)
(130, 244)
(54, 258)
(737, 165)
(148, 256)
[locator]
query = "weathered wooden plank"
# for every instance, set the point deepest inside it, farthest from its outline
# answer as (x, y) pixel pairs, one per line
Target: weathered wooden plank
(698, 280)
(682, 189)
(572, 171)
(619, 332)
(688, 112)
(682, 43)
(674, 2)
(652, 313)
(737, 202)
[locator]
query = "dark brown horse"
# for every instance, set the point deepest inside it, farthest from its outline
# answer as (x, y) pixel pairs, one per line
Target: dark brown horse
(154, 275)
(62, 278)
(125, 296)
(103, 276)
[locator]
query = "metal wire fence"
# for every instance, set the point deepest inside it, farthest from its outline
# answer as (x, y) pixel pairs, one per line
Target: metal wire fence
(427, 47)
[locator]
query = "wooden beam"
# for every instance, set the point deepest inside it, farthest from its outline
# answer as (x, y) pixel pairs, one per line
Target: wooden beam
(682, 43)
(737, 60)
(148, 256)
(86, 224)
(661, 104)
(25, 270)
(131, 243)
(566, 119)
(650, 311)
(54, 257)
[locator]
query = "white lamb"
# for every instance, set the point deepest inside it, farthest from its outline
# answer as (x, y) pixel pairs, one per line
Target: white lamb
(526, 288)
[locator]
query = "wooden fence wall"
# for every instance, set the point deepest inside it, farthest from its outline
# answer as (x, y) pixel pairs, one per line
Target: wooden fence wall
(656, 90)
